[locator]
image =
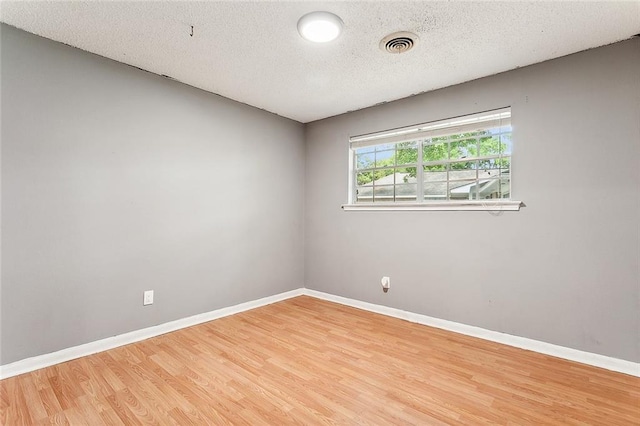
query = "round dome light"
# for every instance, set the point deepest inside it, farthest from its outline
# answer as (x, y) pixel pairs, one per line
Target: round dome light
(319, 27)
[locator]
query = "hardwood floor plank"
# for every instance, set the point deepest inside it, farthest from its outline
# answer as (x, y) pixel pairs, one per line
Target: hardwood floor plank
(49, 401)
(61, 391)
(58, 419)
(90, 409)
(307, 361)
(122, 411)
(141, 410)
(35, 406)
(109, 417)
(181, 418)
(76, 417)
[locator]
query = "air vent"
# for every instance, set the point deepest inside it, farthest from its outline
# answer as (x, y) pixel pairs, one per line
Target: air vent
(398, 42)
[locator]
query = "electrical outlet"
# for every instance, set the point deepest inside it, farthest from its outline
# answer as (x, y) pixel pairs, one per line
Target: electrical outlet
(148, 298)
(386, 283)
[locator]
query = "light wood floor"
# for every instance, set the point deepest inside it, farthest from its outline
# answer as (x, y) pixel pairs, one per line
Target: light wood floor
(307, 361)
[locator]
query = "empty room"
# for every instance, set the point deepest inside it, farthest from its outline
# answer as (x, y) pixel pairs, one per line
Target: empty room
(301, 212)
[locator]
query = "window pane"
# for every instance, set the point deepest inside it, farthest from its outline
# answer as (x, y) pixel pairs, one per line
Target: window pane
(488, 174)
(435, 173)
(407, 145)
(406, 192)
(467, 135)
(405, 175)
(488, 164)
(434, 152)
(463, 190)
(437, 140)
(435, 191)
(364, 178)
(384, 158)
(489, 145)
(385, 147)
(505, 174)
(463, 165)
(463, 170)
(493, 188)
(505, 188)
(505, 184)
(463, 149)
(494, 163)
(364, 161)
(505, 144)
(383, 177)
(383, 193)
(365, 150)
(364, 194)
(435, 168)
(407, 156)
(505, 163)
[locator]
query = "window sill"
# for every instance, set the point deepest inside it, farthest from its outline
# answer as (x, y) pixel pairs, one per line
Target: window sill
(496, 206)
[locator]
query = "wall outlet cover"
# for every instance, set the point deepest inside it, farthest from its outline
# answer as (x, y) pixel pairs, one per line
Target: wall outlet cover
(148, 298)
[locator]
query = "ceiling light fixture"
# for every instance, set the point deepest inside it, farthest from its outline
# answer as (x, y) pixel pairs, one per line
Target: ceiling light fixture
(319, 27)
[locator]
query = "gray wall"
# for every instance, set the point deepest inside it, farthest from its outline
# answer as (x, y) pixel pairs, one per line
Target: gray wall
(115, 181)
(563, 270)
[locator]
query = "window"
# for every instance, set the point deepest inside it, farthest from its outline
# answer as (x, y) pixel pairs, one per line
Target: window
(463, 161)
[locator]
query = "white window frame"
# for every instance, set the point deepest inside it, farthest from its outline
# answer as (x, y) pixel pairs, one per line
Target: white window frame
(467, 123)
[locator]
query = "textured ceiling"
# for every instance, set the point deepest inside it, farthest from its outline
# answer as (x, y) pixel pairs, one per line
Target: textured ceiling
(251, 51)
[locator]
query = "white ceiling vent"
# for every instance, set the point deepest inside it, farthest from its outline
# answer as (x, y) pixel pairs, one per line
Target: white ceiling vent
(399, 42)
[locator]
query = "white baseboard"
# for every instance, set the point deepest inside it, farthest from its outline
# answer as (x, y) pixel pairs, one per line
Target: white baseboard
(596, 360)
(42, 361)
(46, 360)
